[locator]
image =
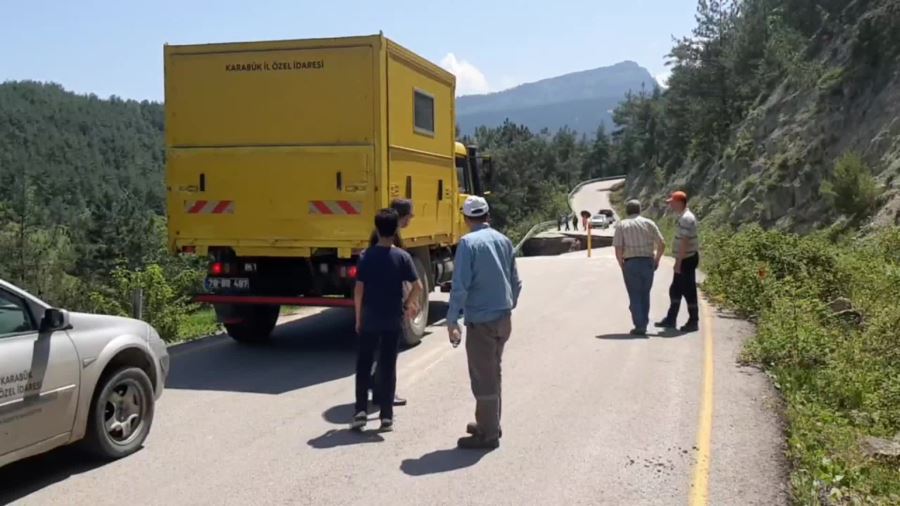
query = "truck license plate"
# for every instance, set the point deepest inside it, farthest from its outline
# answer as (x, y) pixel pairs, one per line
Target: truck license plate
(227, 283)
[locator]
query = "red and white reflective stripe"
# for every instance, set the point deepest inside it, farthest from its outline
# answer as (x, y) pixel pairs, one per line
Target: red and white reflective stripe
(209, 207)
(335, 207)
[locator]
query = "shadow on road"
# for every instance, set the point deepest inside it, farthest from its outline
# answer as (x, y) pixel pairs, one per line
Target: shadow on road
(304, 352)
(620, 337)
(301, 353)
(341, 415)
(21, 479)
(442, 461)
(344, 437)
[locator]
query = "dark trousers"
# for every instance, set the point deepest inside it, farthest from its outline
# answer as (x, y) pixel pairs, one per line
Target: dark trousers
(684, 285)
(638, 274)
(377, 374)
(386, 344)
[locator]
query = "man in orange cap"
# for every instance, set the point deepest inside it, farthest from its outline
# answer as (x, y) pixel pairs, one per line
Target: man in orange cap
(687, 258)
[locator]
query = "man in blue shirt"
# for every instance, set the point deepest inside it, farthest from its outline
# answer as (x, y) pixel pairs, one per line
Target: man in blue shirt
(486, 286)
(380, 309)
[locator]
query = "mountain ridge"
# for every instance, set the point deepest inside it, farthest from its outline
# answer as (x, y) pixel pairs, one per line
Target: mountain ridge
(554, 102)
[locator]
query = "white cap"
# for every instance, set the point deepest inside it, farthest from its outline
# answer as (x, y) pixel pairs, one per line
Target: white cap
(475, 207)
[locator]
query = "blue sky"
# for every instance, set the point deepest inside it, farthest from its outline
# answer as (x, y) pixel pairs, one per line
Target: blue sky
(105, 47)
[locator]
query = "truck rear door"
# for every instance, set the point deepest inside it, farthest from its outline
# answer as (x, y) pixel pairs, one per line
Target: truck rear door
(270, 148)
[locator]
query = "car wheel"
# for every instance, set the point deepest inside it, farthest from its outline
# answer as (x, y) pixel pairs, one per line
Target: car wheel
(121, 414)
(414, 329)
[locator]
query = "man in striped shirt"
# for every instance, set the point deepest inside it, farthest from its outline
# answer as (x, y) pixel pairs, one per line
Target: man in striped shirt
(687, 258)
(639, 247)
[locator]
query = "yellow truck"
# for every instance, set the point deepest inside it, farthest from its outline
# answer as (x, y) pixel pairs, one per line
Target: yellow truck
(280, 153)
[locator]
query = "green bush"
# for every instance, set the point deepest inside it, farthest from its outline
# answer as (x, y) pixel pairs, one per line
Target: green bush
(166, 305)
(852, 189)
(840, 375)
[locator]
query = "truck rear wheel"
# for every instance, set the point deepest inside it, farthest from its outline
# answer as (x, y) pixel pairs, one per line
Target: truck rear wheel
(414, 329)
(251, 323)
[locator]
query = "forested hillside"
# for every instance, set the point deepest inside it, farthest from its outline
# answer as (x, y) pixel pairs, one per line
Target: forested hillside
(82, 201)
(765, 97)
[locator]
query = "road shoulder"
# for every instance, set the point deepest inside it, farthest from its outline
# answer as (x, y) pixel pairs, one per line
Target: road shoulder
(748, 464)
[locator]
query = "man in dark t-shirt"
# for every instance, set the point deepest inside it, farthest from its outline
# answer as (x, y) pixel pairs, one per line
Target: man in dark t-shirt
(404, 210)
(380, 309)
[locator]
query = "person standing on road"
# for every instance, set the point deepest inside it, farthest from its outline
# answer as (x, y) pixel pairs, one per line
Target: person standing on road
(639, 247)
(404, 209)
(687, 258)
(575, 221)
(380, 308)
(486, 285)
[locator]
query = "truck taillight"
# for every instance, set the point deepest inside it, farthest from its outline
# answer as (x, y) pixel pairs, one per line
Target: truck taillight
(351, 272)
(217, 268)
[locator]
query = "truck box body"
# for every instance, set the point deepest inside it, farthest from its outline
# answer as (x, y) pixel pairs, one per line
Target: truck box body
(282, 149)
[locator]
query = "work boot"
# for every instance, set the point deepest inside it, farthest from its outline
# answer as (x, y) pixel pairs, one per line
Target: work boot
(666, 323)
(472, 429)
(477, 443)
(690, 326)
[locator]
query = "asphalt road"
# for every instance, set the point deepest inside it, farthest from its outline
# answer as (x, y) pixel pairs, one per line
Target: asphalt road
(590, 416)
(592, 198)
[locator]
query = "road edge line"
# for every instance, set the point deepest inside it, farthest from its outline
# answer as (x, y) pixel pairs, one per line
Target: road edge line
(700, 483)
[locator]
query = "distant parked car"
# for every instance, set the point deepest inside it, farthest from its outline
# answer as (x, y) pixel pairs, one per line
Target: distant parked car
(599, 221)
(610, 215)
(71, 377)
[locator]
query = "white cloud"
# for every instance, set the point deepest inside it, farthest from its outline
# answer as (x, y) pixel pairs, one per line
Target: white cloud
(469, 80)
(663, 78)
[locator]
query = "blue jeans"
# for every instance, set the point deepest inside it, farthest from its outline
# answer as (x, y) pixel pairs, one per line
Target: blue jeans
(638, 281)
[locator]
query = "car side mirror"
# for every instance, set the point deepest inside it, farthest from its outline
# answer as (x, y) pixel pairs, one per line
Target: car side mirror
(54, 319)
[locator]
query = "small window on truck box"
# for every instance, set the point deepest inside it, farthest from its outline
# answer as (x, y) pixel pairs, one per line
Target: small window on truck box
(423, 110)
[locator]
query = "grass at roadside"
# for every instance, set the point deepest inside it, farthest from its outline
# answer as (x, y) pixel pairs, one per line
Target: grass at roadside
(198, 324)
(829, 335)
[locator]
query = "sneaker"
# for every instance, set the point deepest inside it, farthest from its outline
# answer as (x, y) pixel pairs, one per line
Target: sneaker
(472, 429)
(666, 324)
(387, 425)
(477, 443)
(638, 332)
(399, 401)
(690, 327)
(359, 421)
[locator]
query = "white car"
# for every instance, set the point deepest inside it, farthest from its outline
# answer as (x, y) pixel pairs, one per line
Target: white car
(599, 221)
(71, 377)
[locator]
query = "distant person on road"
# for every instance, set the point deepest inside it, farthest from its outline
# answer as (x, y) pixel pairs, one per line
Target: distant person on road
(380, 309)
(559, 221)
(486, 284)
(565, 220)
(687, 258)
(639, 247)
(575, 222)
(404, 208)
